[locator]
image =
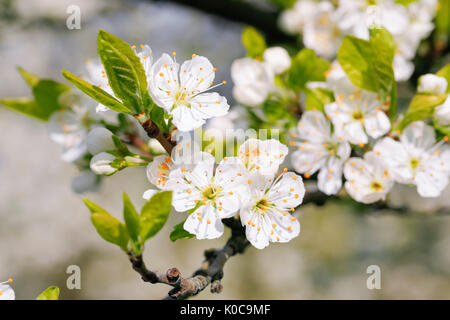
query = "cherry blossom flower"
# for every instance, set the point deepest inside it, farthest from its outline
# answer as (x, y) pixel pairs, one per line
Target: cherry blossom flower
(101, 164)
(320, 150)
(99, 140)
(294, 19)
(265, 214)
(321, 32)
(417, 159)
(211, 197)
(6, 292)
(261, 156)
(357, 114)
(368, 179)
(69, 128)
(253, 81)
(277, 59)
(432, 84)
(182, 91)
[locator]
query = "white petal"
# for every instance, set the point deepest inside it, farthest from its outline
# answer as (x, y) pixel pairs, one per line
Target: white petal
(196, 74)
(330, 177)
(204, 223)
(148, 194)
(7, 293)
(99, 140)
(277, 58)
(208, 105)
(354, 133)
(164, 81)
(314, 127)
(158, 171)
(100, 163)
(432, 84)
(185, 119)
(418, 135)
(377, 124)
(288, 191)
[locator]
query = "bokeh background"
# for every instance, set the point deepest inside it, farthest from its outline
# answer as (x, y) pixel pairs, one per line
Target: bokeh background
(44, 226)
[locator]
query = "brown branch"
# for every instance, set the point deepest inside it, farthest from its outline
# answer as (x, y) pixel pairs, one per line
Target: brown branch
(153, 131)
(211, 271)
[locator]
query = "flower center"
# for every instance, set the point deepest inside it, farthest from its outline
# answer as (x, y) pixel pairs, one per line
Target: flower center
(376, 186)
(414, 163)
(357, 115)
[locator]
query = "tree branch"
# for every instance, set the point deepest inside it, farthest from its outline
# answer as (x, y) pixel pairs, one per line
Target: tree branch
(242, 12)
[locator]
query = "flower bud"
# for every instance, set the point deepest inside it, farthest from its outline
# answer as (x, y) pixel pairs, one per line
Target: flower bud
(99, 140)
(433, 84)
(277, 59)
(100, 163)
(148, 194)
(442, 113)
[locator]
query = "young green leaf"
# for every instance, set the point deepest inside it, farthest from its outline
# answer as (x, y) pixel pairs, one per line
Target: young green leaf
(368, 63)
(124, 70)
(110, 229)
(445, 73)
(30, 78)
(253, 42)
(51, 293)
(421, 107)
(96, 93)
(317, 98)
(93, 207)
(306, 66)
(178, 232)
(154, 214)
(26, 106)
(131, 218)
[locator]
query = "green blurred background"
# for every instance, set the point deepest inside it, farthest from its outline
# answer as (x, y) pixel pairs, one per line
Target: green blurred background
(44, 226)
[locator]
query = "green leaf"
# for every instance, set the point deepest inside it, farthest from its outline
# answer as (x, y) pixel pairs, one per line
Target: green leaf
(368, 63)
(405, 2)
(30, 78)
(421, 107)
(317, 98)
(178, 232)
(51, 293)
(26, 106)
(443, 19)
(253, 42)
(445, 73)
(131, 218)
(124, 70)
(47, 93)
(154, 214)
(110, 229)
(46, 97)
(93, 207)
(96, 93)
(306, 66)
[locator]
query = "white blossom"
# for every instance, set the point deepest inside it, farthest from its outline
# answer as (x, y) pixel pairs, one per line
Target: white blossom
(6, 292)
(357, 114)
(277, 59)
(293, 20)
(99, 140)
(417, 159)
(211, 197)
(266, 212)
(432, 84)
(261, 156)
(69, 128)
(320, 150)
(442, 113)
(253, 81)
(101, 163)
(181, 91)
(368, 179)
(321, 32)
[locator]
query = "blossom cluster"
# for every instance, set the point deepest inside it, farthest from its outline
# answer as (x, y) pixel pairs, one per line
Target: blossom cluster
(357, 121)
(247, 185)
(323, 25)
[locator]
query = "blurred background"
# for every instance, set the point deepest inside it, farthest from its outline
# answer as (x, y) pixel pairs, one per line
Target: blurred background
(44, 226)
